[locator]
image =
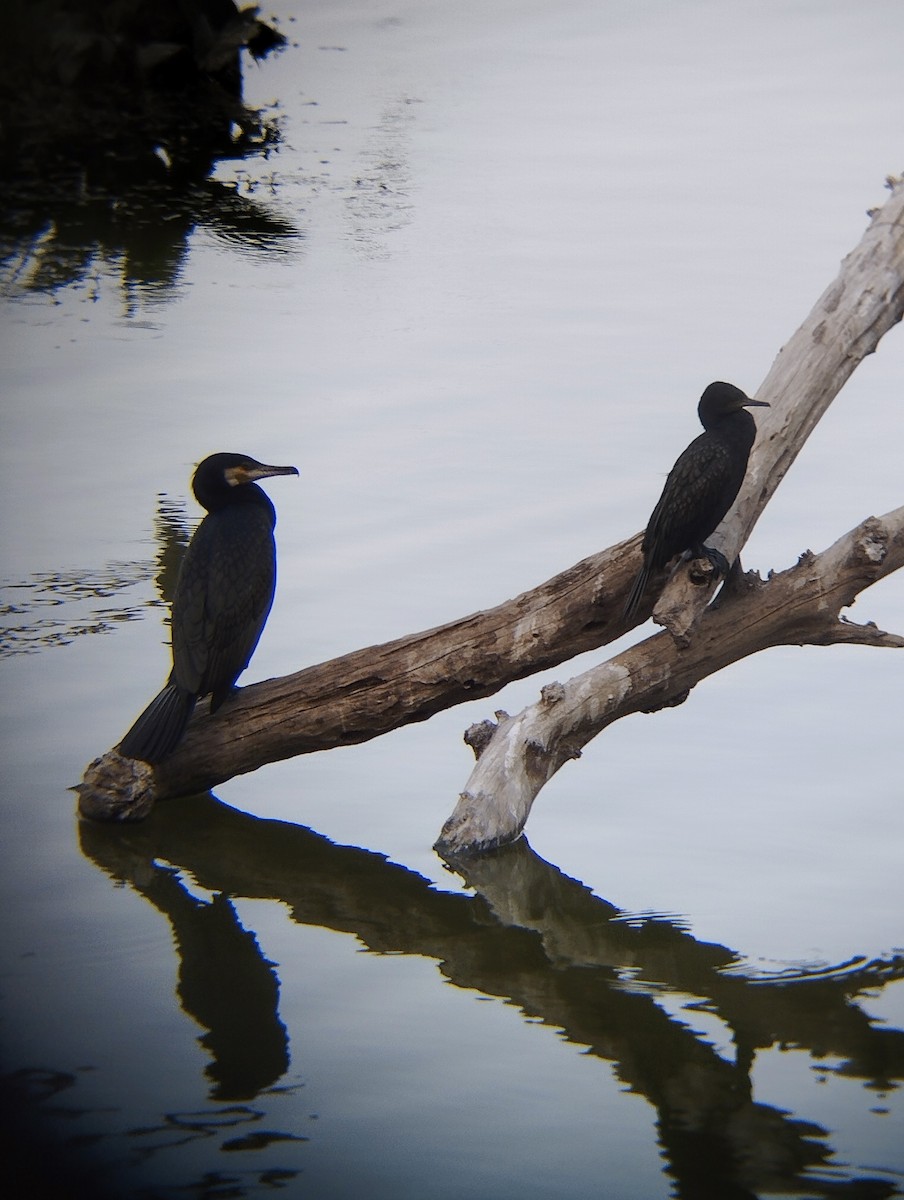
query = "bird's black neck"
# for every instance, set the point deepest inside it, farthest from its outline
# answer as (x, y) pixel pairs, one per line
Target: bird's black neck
(738, 427)
(219, 496)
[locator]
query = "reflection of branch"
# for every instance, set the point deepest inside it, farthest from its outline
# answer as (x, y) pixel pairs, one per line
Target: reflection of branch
(544, 941)
(805, 1009)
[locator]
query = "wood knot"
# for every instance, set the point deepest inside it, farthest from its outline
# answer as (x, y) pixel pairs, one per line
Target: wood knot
(872, 543)
(479, 735)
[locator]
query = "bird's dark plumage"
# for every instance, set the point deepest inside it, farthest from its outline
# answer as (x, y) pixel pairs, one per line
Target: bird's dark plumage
(222, 600)
(702, 485)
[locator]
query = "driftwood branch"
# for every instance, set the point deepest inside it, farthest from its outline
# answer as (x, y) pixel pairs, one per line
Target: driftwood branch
(800, 606)
(846, 324)
(372, 691)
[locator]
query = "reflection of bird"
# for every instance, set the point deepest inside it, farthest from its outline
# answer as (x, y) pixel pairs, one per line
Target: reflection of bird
(702, 485)
(223, 596)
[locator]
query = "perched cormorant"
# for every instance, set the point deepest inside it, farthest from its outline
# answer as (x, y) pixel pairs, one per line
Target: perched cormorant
(222, 600)
(702, 485)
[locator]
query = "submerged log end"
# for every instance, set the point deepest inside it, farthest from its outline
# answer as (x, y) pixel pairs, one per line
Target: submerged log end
(115, 788)
(475, 827)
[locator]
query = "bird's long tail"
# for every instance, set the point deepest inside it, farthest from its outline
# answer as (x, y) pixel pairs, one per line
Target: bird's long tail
(637, 590)
(159, 729)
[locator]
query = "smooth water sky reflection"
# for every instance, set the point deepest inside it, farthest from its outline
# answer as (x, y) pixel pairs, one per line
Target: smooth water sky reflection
(530, 238)
(488, 383)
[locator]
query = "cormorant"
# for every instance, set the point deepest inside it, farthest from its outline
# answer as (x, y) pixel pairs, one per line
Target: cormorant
(702, 485)
(222, 600)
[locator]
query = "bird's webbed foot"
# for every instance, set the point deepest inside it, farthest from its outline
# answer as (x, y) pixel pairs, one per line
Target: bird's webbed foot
(719, 564)
(718, 560)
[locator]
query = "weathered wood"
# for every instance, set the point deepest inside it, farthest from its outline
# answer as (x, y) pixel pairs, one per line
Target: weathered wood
(846, 324)
(800, 606)
(372, 691)
(517, 758)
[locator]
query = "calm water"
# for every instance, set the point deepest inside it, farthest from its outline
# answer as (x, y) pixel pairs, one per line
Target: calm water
(474, 296)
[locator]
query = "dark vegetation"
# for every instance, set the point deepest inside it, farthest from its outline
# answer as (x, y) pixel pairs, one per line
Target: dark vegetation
(113, 115)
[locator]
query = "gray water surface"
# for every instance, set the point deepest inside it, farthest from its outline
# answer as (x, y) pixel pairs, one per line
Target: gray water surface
(474, 296)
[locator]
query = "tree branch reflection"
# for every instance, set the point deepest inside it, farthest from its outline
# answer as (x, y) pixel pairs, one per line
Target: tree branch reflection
(537, 939)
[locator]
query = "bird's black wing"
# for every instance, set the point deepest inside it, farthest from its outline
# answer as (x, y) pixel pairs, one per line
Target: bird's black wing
(697, 494)
(222, 599)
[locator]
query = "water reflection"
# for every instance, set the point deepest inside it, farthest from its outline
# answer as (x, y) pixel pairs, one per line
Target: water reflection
(114, 119)
(535, 938)
(86, 1165)
(31, 1098)
(31, 608)
(52, 609)
(226, 985)
(379, 203)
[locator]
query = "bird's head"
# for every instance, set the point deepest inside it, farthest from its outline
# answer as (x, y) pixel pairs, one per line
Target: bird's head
(720, 399)
(217, 474)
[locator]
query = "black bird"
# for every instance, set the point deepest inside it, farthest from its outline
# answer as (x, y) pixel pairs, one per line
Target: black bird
(702, 485)
(222, 600)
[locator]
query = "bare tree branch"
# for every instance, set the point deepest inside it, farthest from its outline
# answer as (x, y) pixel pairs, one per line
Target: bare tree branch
(845, 326)
(372, 691)
(800, 606)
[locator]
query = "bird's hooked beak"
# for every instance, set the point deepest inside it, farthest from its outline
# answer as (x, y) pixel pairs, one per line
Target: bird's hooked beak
(752, 402)
(251, 470)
